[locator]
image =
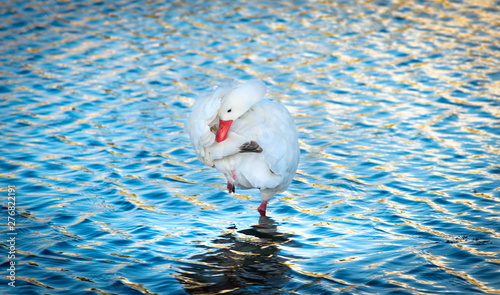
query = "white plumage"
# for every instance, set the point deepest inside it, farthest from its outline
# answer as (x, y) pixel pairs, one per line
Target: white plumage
(251, 140)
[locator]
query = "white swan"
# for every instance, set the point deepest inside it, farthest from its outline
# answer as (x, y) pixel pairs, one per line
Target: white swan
(252, 140)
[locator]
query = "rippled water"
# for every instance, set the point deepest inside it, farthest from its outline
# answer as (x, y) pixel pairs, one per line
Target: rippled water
(397, 105)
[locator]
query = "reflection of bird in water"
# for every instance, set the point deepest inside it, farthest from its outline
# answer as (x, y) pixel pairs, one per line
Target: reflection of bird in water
(244, 263)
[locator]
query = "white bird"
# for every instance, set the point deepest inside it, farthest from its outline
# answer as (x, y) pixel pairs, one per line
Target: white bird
(251, 140)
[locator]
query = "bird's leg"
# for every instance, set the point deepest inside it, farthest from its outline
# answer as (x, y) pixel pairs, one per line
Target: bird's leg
(262, 208)
(230, 187)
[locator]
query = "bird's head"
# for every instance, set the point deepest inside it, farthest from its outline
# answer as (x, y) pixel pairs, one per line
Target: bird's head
(236, 103)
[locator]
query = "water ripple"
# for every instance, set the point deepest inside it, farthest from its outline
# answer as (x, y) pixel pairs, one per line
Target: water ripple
(397, 109)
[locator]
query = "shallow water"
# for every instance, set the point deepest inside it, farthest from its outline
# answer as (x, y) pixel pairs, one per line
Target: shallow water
(398, 111)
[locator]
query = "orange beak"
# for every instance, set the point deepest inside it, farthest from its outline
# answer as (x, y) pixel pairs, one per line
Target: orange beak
(223, 130)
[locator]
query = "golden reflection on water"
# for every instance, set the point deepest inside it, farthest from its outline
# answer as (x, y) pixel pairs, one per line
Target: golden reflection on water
(440, 262)
(354, 100)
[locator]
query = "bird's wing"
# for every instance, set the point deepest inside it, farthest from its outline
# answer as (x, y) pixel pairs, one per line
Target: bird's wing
(272, 127)
(203, 117)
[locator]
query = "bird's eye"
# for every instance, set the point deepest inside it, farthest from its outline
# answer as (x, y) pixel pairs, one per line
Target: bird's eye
(229, 110)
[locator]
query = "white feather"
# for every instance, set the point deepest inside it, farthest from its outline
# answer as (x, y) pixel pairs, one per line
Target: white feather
(265, 122)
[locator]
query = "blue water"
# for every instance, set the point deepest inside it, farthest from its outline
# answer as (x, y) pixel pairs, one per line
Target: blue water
(397, 106)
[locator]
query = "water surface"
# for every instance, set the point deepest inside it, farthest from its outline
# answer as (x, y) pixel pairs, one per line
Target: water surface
(397, 105)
